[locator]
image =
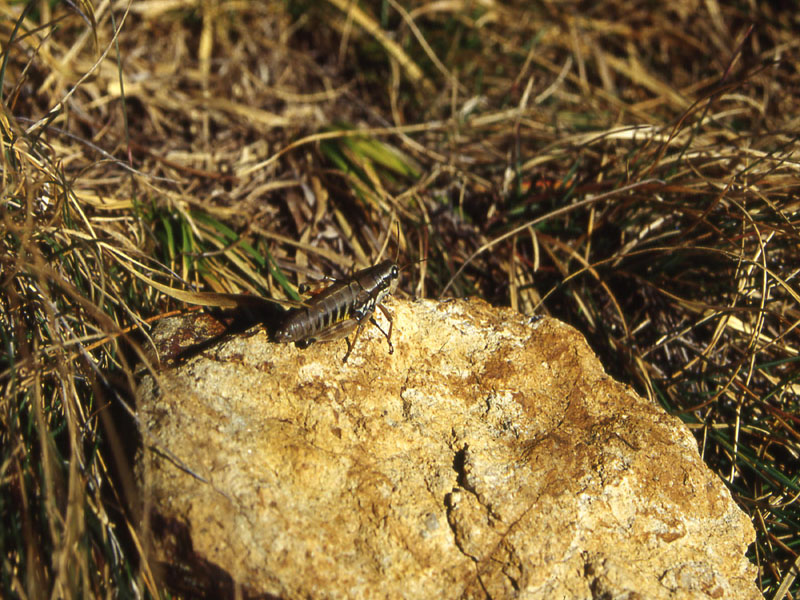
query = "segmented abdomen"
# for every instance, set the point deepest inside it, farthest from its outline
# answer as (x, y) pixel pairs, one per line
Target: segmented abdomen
(334, 305)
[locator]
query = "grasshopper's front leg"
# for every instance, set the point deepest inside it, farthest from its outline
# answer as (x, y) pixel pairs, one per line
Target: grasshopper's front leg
(389, 318)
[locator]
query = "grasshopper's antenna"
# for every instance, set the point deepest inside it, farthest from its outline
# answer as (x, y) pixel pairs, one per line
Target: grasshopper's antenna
(388, 235)
(397, 252)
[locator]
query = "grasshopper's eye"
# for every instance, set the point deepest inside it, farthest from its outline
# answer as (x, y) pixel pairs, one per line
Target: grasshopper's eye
(395, 272)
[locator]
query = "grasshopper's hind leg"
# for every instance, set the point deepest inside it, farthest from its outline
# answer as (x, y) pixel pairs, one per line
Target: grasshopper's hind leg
(341, 330)
(345, 328)
(351, 345)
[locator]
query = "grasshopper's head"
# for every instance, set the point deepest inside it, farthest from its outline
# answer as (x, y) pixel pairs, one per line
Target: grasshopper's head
(388, 276)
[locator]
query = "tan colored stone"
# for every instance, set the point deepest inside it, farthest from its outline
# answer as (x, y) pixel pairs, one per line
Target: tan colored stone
(487, 457)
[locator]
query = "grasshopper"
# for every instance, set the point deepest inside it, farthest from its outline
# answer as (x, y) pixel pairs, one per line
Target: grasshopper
(333, 314)
(343, 307)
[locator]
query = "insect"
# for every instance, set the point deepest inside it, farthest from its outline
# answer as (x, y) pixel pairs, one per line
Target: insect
(342, 308)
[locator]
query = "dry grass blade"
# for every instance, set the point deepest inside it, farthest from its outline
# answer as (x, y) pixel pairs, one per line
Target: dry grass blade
(363, 20)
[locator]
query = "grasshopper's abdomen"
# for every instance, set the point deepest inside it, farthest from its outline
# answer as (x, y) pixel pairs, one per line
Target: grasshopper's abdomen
(332, 306)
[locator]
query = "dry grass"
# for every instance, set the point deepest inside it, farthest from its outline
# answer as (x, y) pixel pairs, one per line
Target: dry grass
(630, 169)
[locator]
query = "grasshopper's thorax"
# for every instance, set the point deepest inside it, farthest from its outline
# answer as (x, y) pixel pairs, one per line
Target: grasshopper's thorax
(381, 280)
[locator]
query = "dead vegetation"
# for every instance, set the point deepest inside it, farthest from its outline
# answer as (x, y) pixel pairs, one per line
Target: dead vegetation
(627, 167)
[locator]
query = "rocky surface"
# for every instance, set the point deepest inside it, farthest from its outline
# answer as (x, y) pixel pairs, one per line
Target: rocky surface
(487, 457)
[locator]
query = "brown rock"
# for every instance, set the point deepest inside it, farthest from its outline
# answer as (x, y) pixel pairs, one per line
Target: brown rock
(487, 457)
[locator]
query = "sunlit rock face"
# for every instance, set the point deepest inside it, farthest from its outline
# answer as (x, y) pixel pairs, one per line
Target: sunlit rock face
(488, 456)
